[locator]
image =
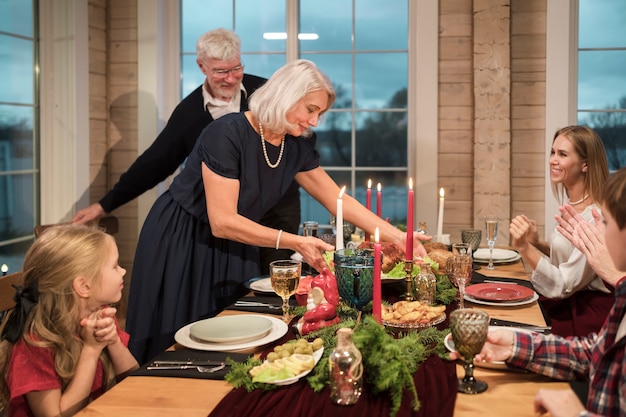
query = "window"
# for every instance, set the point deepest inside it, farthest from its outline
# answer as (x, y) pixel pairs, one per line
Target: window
(18, 132)
(363, 47)
(601, 76)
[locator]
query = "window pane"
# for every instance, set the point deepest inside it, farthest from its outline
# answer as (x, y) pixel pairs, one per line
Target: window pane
(381, 130)
(381, 80)
(334, 30)
(199, 16)
(16, 138)
(611, 126)
(16, 67)
(312, 210)
(334, 144)
(394, 193)
(602, 24)
(601, 80)
(16, 16)
(16, 206)
(381, 24)
(255, 20)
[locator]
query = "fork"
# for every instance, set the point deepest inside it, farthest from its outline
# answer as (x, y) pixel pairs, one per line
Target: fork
(256, 304)
(201, 369)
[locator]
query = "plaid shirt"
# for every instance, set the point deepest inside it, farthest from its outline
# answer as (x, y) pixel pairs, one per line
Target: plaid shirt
(598, 357)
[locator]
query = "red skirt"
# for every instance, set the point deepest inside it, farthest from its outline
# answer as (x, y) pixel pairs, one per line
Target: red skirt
(579, 315)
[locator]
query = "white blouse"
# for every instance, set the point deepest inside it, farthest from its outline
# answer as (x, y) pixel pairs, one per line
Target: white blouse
(566, 270)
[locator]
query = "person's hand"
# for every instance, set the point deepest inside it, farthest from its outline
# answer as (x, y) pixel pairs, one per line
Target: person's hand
(589, 239)
(418, 248)
(311, 249)
(523, 232)
(99, 329)
(498, 347)
(559, 403)
(91, 213)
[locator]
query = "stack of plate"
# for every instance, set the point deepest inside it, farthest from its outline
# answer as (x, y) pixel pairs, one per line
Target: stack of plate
(500, 294)
(500, 256)
(231, 333)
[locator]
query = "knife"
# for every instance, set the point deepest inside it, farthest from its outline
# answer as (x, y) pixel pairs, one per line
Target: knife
(190, 362)
(508, 323)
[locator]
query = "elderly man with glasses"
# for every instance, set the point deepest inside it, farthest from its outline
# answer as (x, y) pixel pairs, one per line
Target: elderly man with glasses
(225, 90)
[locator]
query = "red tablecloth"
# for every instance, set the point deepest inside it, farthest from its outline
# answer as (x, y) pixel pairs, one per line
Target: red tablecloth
(435, 380)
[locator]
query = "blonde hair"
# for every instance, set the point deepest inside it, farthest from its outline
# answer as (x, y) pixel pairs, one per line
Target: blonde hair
(55, 259)
(285, 88)
(221, 44)
(588, 146)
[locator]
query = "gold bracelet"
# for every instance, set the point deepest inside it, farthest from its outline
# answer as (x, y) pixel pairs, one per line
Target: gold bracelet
(280, 232)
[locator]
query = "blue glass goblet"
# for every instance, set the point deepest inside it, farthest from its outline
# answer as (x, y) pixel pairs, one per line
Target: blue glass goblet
(354, 270)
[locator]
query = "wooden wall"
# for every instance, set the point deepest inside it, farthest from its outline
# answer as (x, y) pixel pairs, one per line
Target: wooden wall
(491, 110)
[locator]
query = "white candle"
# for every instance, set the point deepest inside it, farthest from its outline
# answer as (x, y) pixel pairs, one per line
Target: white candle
(440, 218)
(339, 222)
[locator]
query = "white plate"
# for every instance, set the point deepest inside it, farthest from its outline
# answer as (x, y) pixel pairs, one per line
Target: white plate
(499, 256)
(231, 329)
(317, 355)
(262, 285)
(488, 365)
(531, 300)
(279, 329)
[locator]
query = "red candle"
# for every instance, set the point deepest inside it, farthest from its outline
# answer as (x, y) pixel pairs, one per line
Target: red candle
(379, 201)
(377, 290)
(409, 223)
(368, 204)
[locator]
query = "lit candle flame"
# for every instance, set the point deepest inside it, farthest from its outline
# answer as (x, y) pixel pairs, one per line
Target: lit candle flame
(411, 183)
(4, 268)
(441, 193)
(343, 190)
(379, 187)
(376, 235)
(369, 183)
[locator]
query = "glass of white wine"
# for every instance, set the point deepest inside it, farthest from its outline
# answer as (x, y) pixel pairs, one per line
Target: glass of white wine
(285, 277)
(491, 233)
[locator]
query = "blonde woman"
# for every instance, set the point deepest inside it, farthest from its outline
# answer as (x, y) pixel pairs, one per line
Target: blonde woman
(62, 346)
(573, 295)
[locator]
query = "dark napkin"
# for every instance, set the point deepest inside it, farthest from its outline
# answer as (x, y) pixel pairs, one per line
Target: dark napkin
(478, 278)
(581, 388)
(194, 355)
(273, 300)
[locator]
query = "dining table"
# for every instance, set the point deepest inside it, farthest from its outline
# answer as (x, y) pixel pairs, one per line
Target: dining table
(510, 391)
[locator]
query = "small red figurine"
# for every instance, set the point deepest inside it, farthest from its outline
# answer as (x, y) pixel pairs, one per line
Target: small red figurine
(322, 301)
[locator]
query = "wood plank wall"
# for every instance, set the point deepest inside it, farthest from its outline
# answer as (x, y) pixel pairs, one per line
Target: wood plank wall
(491, 110)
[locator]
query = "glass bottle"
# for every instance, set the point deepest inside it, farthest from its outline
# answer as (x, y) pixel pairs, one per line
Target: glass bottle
(425, 284)
(346, 370)
(422, 229)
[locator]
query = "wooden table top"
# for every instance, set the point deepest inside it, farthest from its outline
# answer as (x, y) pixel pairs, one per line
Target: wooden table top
(510, 393)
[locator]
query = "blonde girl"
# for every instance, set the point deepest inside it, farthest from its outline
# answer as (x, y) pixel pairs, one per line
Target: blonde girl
(62, 346)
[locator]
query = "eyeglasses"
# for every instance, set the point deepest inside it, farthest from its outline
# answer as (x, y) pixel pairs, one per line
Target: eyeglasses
(223, 73)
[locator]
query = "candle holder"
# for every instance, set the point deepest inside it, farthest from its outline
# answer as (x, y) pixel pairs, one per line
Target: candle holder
(408, 279)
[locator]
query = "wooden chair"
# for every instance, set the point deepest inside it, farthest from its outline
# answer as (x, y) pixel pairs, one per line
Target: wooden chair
(109, 224)
(7, 291)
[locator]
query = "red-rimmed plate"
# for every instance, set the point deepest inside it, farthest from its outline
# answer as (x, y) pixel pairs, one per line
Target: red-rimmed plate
(492, 291)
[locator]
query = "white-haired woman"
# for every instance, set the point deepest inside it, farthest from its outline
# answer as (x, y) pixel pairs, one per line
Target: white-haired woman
(199, 242)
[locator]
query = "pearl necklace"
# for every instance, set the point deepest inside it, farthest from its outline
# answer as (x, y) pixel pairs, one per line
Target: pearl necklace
(573, 203)
(280, 155)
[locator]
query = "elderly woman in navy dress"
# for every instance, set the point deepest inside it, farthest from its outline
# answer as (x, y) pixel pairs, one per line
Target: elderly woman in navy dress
(199, 243)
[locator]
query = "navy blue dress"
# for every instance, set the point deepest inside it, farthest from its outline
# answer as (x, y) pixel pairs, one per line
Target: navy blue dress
(181, 272)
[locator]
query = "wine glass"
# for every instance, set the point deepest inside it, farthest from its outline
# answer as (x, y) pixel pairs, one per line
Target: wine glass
(285, 277)
(491, 229)
(469, 329)
(459, 270)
